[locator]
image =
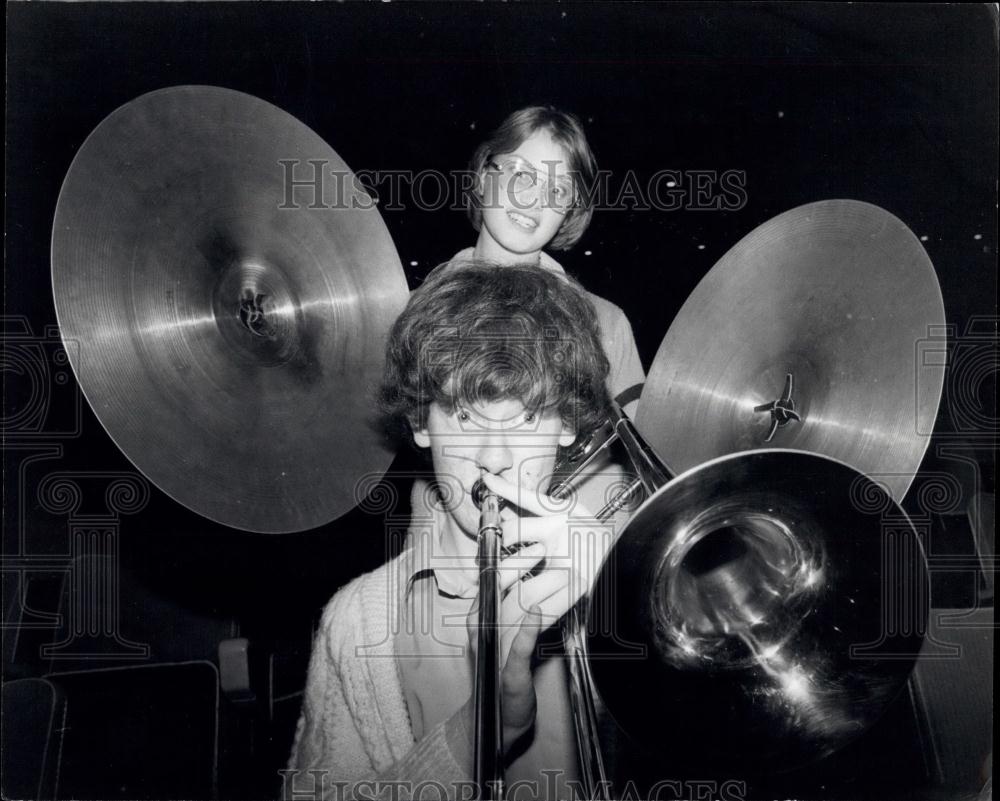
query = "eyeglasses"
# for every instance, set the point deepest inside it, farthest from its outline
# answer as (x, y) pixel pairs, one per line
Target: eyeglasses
(518, 175)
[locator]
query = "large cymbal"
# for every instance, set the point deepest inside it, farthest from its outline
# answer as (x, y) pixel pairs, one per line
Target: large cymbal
(229, 336)
(838, 295)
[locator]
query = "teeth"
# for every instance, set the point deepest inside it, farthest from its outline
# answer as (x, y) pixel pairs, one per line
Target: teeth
(522, 220)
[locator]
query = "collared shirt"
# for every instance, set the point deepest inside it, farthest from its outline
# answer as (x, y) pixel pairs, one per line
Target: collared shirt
(437, 672)
(431, 642)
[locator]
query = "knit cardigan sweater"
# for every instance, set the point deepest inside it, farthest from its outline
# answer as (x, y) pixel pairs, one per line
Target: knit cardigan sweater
(354, 723)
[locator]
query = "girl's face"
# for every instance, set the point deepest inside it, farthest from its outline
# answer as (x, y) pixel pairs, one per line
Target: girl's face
(521, 216)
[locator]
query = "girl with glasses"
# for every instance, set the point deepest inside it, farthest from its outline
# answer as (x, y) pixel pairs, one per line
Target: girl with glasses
(535, 177)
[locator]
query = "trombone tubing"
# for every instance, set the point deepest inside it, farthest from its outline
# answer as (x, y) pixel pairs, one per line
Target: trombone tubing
(488, 755)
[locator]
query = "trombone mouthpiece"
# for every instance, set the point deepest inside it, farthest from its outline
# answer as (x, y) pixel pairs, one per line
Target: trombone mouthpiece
(480, 492)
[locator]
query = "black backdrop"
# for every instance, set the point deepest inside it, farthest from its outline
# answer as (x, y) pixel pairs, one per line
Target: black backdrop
(894, 105)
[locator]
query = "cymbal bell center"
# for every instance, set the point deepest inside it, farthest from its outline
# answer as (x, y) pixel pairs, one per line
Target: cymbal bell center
(782, 410)
(252, 314)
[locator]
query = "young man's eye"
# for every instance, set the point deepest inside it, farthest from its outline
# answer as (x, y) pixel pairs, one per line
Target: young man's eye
(529, 417)
(463, 416)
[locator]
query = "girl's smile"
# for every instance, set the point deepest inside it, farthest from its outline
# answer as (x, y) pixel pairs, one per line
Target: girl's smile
(516, 223)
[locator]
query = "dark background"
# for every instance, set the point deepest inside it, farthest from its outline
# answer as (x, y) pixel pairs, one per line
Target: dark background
(893, 105)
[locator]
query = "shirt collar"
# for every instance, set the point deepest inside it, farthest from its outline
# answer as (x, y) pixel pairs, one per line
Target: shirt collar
(426, 557)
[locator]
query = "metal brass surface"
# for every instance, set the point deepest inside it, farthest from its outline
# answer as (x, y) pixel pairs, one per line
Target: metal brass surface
(228, 325)
(758, 612)
(804, 336)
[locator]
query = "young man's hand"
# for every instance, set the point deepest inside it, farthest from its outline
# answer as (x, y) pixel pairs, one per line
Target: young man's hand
(574, 548)
(538, 584)
(519, 628)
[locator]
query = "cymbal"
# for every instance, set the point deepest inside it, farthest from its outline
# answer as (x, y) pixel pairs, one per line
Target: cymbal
(805, 335)
(229, 325)
(760, 611)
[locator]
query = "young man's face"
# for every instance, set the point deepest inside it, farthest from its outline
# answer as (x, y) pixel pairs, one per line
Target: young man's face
(499, 437)
(525, 220)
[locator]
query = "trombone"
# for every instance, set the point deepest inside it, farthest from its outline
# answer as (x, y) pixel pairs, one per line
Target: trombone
(735, 573)
(488, 773)
(488, 753)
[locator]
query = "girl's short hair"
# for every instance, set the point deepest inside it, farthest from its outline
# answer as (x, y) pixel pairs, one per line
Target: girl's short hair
(479, 332)
(567, 131)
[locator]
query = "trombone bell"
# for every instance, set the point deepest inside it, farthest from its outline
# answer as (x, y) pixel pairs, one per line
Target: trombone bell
(758, 612)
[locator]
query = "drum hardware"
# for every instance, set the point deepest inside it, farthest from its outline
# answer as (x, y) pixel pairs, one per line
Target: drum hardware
(782, 410)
